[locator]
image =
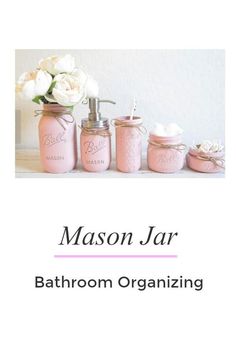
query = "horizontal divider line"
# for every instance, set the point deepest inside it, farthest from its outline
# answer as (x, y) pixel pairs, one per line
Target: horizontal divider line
(115, 256)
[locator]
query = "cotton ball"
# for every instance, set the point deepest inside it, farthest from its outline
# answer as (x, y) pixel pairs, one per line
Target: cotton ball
(172, 129)
(159, 130)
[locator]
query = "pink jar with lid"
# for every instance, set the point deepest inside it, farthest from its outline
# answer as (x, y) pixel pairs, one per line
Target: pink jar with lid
(165, 154)
(95, 138)
(205, 162)
(57, 139)
(128, 143)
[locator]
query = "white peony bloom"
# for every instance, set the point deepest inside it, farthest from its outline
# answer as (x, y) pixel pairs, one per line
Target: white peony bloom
(58, 64)
(91, 88)
(89, 84)
(68, 90)
(81, 76)
(33, 83)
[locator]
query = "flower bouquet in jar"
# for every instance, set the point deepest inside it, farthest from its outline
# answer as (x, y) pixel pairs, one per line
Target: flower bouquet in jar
(58, 85)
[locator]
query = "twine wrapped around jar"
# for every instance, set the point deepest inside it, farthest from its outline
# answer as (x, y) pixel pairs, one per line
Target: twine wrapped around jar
(127, 124)
(165, 154)
(60, 115)
(217, 161)
(95, 147)
(100, 132)
(178, 147)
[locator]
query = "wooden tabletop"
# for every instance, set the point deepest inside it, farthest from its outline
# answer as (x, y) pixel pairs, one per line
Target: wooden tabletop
(28, 166)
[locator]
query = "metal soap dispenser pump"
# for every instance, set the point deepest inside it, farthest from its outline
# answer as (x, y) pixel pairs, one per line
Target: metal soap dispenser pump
(95, 139)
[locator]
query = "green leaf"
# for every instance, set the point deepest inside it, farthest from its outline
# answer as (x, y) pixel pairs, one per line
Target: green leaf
(37, 99)
(52, 87)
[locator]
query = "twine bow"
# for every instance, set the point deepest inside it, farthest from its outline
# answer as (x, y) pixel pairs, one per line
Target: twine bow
(178, 147)
(217, 161)
(100, 132)
(61, 117)
(125, 124)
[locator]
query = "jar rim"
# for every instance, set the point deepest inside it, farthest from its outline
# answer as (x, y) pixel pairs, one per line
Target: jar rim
(55, 107)
(126, 119)
(166, 139)
(195, 152)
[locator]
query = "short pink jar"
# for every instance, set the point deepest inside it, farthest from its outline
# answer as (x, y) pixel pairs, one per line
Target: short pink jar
(165, 154)
(209, 162)
(95, 147)
(128, 143)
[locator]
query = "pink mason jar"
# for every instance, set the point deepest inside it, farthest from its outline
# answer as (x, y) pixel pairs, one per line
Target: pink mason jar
(205, 162)
(165, 154)
(95, 147)
(128, 143)
(57, 139)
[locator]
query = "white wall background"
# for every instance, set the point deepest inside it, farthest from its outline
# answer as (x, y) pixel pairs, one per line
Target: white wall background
(182, 86)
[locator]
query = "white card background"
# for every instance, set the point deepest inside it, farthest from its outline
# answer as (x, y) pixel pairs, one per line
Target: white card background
(34, 211)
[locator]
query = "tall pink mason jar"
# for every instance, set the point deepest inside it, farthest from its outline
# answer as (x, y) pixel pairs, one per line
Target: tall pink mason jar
(128, 143)
(57, 139)
(95, 147)
(165, 154)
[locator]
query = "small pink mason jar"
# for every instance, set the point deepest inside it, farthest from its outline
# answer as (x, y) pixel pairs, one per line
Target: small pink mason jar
(128, 143)
(95, 147)
(95, 138)
(205, 162)
(57, 139)
(165, 154)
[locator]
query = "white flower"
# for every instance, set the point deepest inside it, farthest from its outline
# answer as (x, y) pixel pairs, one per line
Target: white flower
(91, 88)
(68, 90)
(73, 88)
(58, 64)
(209, 146)
(89, 84)
(33, 83)
(81, 76)
(205, 146)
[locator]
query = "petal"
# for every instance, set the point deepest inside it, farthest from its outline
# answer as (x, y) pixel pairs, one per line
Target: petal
(60, 97)
(65, 64)
(42, 82)
(28, 90)
(91, 87)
